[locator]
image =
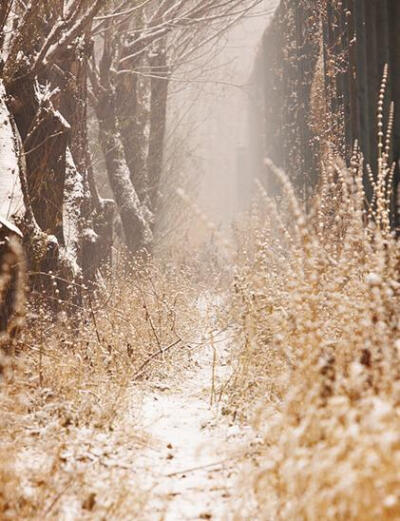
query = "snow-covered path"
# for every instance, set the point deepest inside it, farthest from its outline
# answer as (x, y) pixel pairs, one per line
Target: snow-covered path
(190, 465)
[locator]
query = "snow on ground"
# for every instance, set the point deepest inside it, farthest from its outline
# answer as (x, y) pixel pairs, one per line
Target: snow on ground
(190, 466)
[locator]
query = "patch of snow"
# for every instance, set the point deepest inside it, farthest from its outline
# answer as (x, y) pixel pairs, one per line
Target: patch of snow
(373, 279)
(10, 226)
(11, 200)
(90, 235)
(190, 467)
(73, 197)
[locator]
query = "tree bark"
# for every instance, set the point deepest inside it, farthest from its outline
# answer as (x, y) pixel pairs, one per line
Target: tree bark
(137, 231)
(158, 120)
(135, 222)
(4, 12)
(133, 118)
(49, 105)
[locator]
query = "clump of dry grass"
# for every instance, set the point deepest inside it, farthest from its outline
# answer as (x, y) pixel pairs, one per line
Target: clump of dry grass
(67, 401)
(316, 299)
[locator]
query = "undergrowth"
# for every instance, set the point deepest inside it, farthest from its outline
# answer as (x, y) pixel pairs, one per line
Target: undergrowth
(69, 399)
(315, 302)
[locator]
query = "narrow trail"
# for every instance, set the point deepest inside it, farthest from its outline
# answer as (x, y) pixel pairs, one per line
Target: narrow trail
(190, 464)
(173, 454)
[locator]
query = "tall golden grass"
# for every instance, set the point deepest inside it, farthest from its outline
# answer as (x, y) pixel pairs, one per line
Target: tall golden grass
(70, 398)
(316, 301)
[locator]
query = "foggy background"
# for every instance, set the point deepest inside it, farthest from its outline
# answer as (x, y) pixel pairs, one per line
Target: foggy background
(214, 136)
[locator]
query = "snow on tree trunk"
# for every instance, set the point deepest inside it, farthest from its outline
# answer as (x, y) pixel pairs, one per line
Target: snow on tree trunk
(133, 120)
(11, 200)
(137, 230)
(73, 198)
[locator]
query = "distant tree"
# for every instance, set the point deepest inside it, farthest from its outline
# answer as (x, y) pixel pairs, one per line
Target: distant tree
(316, 85)
(142, 48)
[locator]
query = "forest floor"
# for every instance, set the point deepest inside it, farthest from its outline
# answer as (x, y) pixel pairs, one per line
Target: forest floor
(166, 448)
(173, 453)
(190, 464)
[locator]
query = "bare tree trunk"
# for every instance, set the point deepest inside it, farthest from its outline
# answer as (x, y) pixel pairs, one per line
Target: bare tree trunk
(137, 231)
(45, 152)
(4, 12)
(360, 73)
(49, 105)
(93, 217)
(133, 119)
(158, 119)
(394, 17)
(41, 249)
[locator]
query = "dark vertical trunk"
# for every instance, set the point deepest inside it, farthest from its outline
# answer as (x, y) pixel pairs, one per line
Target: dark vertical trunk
(158, 120)
(372, 78)
(92, 218)
(132, 110)
(45, 152)
(55, 147)
(133, 119)
(269, 95)
(44, 131)
(361, 74)
(307, 33)
(354, 108)
(346, 37)
(394, 46)
(137, 232)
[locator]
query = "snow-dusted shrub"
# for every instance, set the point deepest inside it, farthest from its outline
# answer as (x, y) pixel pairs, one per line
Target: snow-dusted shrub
(317, 299)
(69, 401)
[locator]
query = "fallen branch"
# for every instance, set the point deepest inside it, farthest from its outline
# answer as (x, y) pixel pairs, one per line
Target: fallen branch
(200, 467)
(139, 372)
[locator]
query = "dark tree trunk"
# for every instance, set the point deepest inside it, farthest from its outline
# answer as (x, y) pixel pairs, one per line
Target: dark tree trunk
(394, 17)
(133, 213)
(360, 73)
(49, 105)
(136, 228)
(133, 119)
(158, 120)
(92, 218)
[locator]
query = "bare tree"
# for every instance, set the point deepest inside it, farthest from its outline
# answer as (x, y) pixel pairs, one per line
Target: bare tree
(143, 47)
(134, 49)
(44, 74)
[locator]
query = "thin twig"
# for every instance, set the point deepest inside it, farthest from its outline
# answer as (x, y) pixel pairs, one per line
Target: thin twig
(200, 467)
(139, 372)
(94, 319)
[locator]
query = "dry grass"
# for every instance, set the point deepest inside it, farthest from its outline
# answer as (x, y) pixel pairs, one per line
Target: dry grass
(68, 400)
(314, 309)
(316, 300)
